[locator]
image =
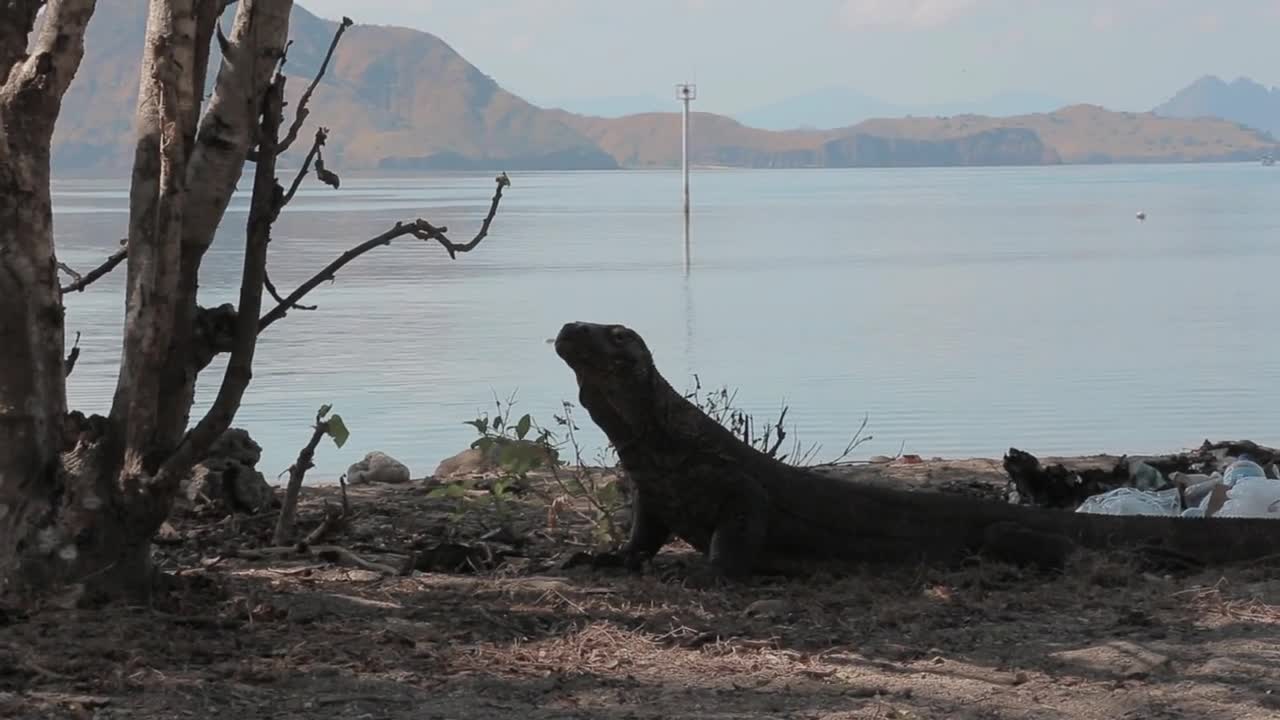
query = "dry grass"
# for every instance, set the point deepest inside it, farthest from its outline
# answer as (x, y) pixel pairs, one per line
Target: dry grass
(295, 637)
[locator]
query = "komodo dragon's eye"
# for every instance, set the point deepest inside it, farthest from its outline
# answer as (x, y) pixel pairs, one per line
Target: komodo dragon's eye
(618, 335)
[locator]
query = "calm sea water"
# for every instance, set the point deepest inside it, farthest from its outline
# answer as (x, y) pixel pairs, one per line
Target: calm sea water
(963, 311)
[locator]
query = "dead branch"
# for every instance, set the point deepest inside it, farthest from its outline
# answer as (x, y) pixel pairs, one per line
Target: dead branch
(333, 516)
(72, 357)
(298, 470)
(275, 294)
(301, 116)
(426, 231)
(67, 269)
(330, 553)
(322, 134)
(83, 281)
(420, 229)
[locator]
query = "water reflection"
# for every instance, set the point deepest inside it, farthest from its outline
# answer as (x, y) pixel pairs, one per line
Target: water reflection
(964, 310)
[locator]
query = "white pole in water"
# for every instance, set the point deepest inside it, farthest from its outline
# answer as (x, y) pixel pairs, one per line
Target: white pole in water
(685, 92)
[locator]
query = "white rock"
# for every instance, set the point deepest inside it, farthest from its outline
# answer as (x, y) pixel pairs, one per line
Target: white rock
(378, 467)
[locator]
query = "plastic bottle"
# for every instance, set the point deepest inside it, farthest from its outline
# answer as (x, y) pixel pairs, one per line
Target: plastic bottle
(1242, 468)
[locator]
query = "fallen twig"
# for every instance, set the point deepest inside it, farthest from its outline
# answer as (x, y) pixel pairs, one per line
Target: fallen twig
(326, 552)
(332, 518)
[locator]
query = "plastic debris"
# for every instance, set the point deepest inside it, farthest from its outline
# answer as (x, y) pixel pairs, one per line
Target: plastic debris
(1252, 497)
(1243, 490)
(1129, 501)
(1240, 469)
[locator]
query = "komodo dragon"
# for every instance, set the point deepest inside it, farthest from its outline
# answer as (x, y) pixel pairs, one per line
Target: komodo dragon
(748, 512)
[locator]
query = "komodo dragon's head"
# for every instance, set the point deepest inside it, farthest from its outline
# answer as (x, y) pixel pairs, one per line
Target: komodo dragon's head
(616, 375)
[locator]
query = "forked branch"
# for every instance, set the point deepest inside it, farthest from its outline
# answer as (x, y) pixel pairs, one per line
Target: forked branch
(80, 282)
(301, 116)
(420, 229)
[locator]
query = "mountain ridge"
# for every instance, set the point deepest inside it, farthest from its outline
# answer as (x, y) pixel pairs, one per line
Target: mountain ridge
(1243, 100)
(402, 99)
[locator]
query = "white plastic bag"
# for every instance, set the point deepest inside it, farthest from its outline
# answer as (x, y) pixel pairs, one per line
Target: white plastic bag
(1128, 501)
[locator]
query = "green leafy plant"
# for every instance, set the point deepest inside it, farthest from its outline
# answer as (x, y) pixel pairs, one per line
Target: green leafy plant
(333, 426)
(528, 458)
(510, 448)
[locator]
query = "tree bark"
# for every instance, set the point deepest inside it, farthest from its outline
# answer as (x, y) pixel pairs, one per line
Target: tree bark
(226, 134)
(263, 209)
(84, 519)
(156, 199)
(32, 389)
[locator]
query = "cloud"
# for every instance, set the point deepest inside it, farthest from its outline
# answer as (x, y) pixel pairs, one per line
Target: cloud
(904, 14)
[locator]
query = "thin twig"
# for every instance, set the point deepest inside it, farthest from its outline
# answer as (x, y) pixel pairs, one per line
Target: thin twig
(426, 231)
(303, 111)
(322, 135)
(418, 228)
(82, 282)
(271, 288)
(854, 442)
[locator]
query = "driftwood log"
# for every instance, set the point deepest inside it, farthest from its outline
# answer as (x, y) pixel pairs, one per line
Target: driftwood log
(694, 479)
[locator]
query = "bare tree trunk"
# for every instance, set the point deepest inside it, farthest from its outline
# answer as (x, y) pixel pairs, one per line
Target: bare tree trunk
(87, 521)
(32, 379)
(156, 200)
(222, 145)
(80, 498)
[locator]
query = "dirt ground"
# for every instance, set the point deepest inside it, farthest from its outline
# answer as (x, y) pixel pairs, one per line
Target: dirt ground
(520, 633)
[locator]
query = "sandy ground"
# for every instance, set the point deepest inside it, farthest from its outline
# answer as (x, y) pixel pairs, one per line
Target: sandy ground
(313, 635)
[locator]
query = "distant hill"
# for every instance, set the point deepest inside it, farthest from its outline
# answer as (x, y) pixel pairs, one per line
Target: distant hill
(393, 97)
(1075, 134)
(611, 106)
(1242, 100)
(835, 107)
(402, 99)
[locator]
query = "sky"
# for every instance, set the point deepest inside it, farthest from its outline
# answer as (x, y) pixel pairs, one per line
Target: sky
(1122, 54)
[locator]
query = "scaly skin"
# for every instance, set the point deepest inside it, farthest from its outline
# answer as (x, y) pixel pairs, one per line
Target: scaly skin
(746, 511)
